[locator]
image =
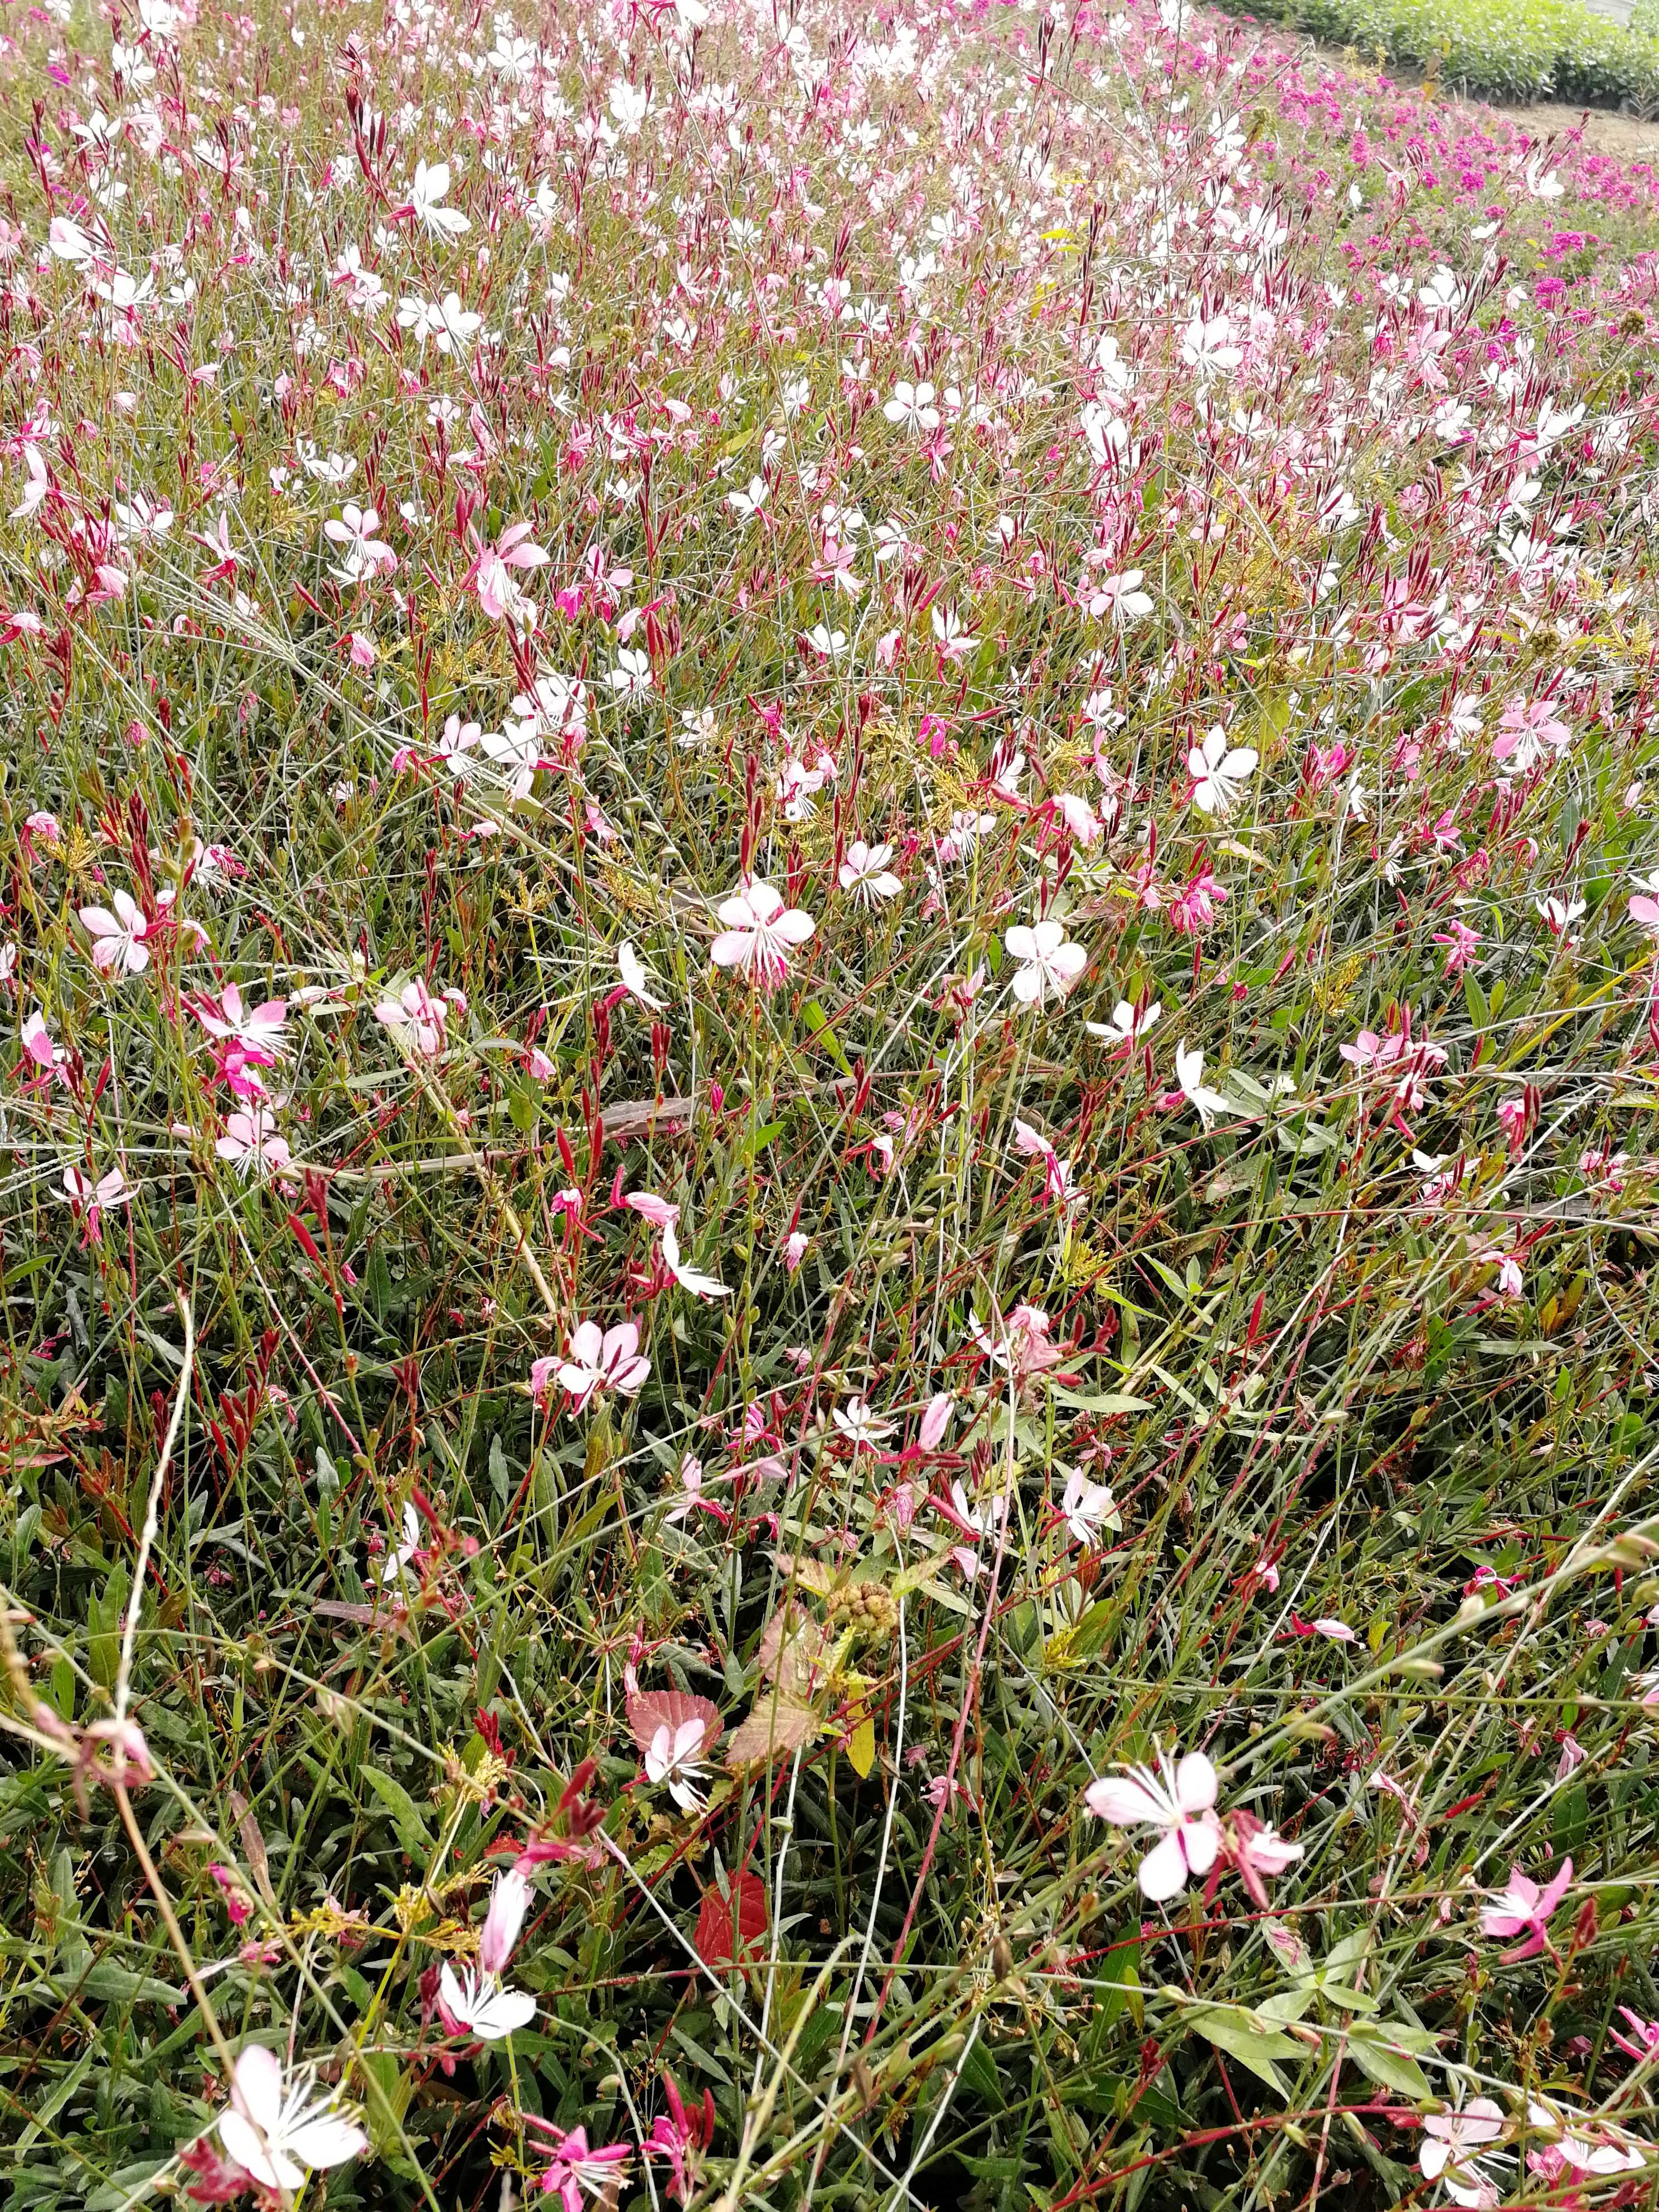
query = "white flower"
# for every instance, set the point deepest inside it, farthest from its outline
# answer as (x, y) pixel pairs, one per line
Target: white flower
(398, 1557)
(688, 1278)
(635, 975)
(631, 677)
(1180, 1802)
(860, 1425)
(276, 2132)
(1207, 345)
(672, 1757)
(1449, 2138)
(1129, 1024)
(747, 505)
(1051, 964)
(1085, 1507)
(865, 873)
(1189, 1074)
(426, 197)
(758, 934)
(1219, 774)
(629, 104)
(956, 641)
(476, 2005)
(912, 405)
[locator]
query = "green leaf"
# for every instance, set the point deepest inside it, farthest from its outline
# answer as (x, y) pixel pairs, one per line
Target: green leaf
(1475, 1000)
(110, 1984)
(1376, 2048)
(817, 1023)
(406, 1816)
(1103, 1402)
(387, 2087)
(1121, 1973)
(1247, 2037)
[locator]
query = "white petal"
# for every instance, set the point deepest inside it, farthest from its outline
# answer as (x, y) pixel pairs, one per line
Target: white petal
(328, 2140)
(259, 2090)
(1200, 1842)
(1195, 1783)
(500, 2012)
(1164, 1869)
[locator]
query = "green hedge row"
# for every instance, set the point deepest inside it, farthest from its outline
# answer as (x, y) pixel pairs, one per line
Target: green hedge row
(1504, 49)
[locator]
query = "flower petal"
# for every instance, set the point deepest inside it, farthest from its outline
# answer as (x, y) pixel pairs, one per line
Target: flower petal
(1163, 1870)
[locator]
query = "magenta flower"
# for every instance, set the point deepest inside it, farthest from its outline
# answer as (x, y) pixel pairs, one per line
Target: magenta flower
(1524, 1906)
(576, 2167)
(679, 2134)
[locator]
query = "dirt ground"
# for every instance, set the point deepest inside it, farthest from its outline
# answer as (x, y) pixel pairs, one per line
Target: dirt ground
(1625, 136)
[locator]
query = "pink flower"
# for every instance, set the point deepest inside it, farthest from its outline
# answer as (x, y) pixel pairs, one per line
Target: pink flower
(88, 1201)
(1461, 943)
(491, 571)
(542, 1373)
(659, 1212)
(794, 1250)
(251, 1143)
(576, 2168)
(40, 1046)
(679, 2134)
(935, 1421)
(1646, 2046)
(416, 1016)
(257, 1030)
(117, 938)
(1508, 1264)
(593, 1363)
(1524, 1906)
(1449, 2140)
(236, 1902)
(759, 933)
(503, 1920)
(1180, 1802)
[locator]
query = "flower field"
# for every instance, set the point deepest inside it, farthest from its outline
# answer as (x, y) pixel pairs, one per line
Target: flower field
(829, 896)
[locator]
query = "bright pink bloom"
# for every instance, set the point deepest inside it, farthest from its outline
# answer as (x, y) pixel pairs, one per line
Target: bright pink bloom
(1524, 1906)
(575, 2168)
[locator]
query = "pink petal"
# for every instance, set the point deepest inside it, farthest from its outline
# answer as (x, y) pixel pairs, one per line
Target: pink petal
(1124, 1801)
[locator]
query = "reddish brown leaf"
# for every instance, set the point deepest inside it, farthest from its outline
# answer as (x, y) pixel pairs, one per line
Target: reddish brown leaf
(650, 1710)
(774, 1726)
(730, 1926)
